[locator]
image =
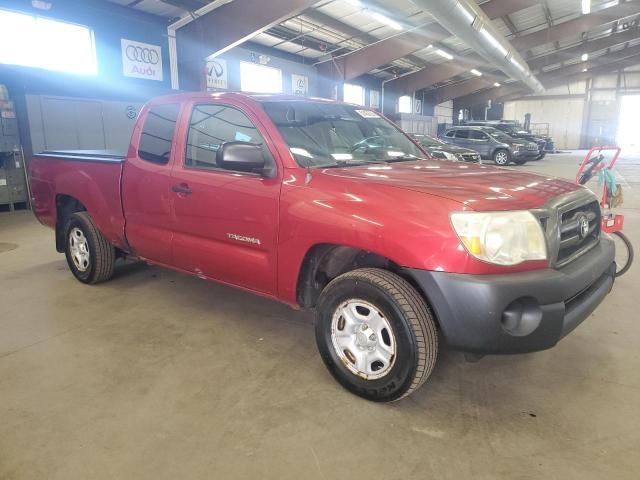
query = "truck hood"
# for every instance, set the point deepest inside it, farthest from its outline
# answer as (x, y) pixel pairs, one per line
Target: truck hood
(480, 187)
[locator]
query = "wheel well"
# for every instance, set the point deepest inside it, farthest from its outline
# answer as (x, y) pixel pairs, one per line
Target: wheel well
(65, 206)
(324, 262)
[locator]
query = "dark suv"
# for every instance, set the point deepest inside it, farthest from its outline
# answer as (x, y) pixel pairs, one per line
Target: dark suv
(492, 144)
(545, 144)
(438, 149)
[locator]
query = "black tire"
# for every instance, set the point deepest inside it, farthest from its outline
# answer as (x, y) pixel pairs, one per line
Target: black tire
(101, 254)
(627, 244)
(502, 157)
(412, 324)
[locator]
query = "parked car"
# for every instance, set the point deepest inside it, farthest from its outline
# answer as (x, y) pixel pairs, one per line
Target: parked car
(545, 144)
(274, 195)
(438, 149)
(492, 144)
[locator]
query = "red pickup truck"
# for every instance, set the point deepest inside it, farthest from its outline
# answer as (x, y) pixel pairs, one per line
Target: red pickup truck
(331, 207)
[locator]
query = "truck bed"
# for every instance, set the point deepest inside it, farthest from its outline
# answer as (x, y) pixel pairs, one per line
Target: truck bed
(92, 177)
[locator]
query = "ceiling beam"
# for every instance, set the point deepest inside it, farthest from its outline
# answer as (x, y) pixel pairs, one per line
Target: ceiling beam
(502, 8)
(591, 46)
(558, 31)
(382, 52)
(576, 26)
(432, 75)
(236, 22)
(555, 78)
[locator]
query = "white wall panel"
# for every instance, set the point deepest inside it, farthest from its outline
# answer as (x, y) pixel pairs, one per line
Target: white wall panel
(564, 117)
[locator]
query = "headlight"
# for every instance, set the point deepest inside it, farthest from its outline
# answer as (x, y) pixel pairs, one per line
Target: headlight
(502, 238)
(450, 156)
(516, 148)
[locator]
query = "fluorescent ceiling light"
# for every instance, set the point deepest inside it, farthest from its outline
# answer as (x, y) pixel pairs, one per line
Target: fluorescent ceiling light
(496, 84)
(517, 65)
(444, 54)
(585, 57)
(477, 73)
(494, 42)
(586, 7)
(386, 20)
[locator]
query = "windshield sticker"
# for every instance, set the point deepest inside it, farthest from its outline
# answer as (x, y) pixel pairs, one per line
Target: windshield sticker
(367, 114)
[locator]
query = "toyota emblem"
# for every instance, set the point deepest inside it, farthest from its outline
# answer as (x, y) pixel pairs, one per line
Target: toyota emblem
(583, 222)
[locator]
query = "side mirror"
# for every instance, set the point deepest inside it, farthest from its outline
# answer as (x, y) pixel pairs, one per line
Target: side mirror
(241, 157)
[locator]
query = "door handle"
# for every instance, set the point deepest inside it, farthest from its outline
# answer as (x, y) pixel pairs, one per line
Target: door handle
(182, 188)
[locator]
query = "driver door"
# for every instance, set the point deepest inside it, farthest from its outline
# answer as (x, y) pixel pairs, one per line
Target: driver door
(225, 222)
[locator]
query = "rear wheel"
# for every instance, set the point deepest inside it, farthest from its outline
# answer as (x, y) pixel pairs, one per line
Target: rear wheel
(376, 334)
(90, 256)
(501, 157)
(624, 253)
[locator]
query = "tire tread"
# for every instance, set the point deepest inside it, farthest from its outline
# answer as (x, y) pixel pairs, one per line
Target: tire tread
(417, 313)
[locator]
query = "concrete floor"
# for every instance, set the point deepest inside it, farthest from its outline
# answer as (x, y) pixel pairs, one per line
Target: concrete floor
(157, 375)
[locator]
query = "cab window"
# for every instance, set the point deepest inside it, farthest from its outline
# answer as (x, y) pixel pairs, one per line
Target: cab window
(211, 126)
(462, 134)
(157, 133)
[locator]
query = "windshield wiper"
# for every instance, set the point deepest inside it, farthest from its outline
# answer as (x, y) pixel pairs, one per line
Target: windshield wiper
(404, 158)
(348, 163)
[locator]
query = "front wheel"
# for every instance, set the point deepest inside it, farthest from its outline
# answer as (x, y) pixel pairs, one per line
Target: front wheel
(624, 253)
(376, 334)
(90, 256)
(501, 157)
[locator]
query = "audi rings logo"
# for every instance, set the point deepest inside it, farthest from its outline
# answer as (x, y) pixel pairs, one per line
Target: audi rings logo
(142, 54)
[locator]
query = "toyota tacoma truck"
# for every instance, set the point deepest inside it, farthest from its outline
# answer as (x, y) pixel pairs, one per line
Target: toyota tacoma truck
(331, 207)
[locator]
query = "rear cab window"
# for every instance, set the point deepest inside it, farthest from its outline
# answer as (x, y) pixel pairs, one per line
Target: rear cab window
(157, 133)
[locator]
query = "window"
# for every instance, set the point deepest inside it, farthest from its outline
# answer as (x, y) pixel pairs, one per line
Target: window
(321, 134)
(451, 134)
(404, 104)
(40, 42)
(353, 94)
(477, 135)
(157, 133)
(462, 133)
(257, 78)
(211, 126)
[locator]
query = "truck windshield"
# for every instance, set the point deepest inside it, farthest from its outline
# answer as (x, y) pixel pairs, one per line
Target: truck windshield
(328, 134)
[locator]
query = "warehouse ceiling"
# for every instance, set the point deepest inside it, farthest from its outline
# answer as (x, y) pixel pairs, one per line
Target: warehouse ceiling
(550, 35)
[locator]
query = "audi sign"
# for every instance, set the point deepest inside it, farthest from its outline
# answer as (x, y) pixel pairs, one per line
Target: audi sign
(141, 60)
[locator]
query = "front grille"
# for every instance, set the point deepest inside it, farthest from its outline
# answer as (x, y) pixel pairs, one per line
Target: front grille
(532, 147)
(575, 238)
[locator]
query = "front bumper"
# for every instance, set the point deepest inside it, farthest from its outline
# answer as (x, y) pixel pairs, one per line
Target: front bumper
(518, 312)
(525, 154)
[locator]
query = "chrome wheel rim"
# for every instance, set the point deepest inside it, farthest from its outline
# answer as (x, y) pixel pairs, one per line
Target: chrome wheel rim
(363, 339)
(501, 158)
(79, 249)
